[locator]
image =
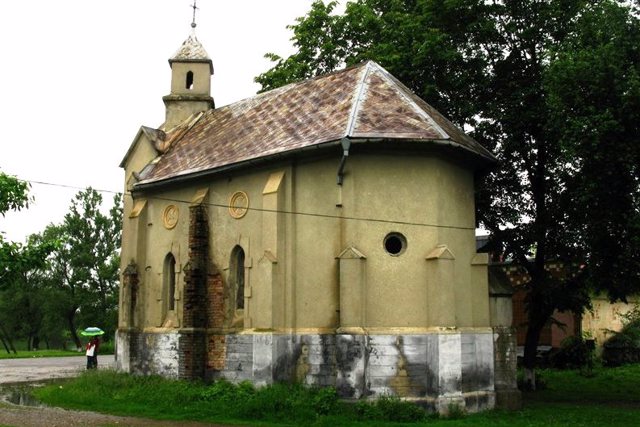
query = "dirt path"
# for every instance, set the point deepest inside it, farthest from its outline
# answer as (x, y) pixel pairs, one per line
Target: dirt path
(30, 416)
(29, 370)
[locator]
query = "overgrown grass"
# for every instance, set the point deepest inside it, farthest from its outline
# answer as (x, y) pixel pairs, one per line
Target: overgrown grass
(611, 397)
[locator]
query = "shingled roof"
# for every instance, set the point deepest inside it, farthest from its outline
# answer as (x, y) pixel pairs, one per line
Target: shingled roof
(362, 102)
(191, 50)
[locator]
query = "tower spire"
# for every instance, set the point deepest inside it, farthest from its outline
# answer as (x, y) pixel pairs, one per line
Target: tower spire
(191, 71)
(195, 7)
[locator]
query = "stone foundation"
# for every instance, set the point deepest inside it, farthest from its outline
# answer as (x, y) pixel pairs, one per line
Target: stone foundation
(437, 370)
(505, 365)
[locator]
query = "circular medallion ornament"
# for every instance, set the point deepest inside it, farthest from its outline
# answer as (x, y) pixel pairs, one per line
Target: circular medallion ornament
(238, 204)
(170, 216)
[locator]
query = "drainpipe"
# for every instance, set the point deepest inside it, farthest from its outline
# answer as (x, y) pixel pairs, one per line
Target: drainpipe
(346, 144)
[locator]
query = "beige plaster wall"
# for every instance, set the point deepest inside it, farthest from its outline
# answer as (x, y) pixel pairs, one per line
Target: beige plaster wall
(605, 317)
(201, 78)
(291, 266)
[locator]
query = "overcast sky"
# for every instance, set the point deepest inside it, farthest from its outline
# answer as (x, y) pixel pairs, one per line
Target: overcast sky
(78, 78)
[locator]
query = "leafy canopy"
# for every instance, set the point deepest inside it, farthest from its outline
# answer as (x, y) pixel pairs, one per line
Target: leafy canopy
(551, 87)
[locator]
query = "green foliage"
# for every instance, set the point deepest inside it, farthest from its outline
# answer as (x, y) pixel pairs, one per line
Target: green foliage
(286, 403)
(14, 194)
(608, 398)
(574, 353)
(223, 391)
(389, 408)
(325, 400)
(593, 86)
(20, 311)
(455, 412)
(67, 273)
(612, 385)
(82, 273)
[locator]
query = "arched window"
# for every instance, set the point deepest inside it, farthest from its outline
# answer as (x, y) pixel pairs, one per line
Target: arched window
(189, 82)
(237, 275)
(169, 282)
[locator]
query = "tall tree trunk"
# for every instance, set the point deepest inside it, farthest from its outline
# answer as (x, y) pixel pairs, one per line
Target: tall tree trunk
(71, 315)
(537, 319)
(8, 339)
(530, 352)
(4, 343)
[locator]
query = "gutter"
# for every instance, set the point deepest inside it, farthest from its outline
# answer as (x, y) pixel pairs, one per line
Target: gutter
(346, 144)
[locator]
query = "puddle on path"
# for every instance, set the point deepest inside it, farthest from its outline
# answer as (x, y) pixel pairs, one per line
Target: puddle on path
(20, 395)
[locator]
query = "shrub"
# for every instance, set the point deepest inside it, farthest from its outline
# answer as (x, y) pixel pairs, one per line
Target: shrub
(574, 353)
(389, 408)
(624, 346)
(455, 412)
(325, 400)
(220, 391)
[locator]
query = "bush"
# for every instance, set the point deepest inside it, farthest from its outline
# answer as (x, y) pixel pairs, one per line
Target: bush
(624, 346)
(325, 400)
(389, 408)
(574, 353)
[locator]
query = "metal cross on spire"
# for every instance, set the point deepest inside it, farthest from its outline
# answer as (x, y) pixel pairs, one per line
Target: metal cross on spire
(193, 22)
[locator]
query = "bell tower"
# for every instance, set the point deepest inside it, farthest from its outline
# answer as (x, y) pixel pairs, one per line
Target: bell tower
(191, 71)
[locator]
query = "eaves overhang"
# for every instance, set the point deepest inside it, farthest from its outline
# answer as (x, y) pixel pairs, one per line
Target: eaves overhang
(481, 162)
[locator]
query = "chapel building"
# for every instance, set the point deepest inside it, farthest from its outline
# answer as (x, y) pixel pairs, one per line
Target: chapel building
(321, 232)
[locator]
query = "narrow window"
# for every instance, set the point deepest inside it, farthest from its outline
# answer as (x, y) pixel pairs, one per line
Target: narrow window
(237, 262)
(189, 82)
(170, 281)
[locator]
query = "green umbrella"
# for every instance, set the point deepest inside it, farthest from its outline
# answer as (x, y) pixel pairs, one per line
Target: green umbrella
(92, 331)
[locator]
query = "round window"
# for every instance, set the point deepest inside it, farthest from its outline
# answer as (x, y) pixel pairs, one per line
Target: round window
(395, 244)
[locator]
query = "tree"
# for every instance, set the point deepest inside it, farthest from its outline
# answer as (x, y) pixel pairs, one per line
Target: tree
(551, 87)
(82, 272)
(594, 97)
(14, 195)
(16, 260)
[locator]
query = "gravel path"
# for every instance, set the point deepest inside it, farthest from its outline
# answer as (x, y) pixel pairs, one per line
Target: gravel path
(31, 416)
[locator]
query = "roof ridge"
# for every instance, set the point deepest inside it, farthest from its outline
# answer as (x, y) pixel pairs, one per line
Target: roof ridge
(357, 102)
(401, 89)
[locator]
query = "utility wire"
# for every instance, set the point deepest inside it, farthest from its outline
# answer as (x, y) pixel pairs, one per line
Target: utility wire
(286, 212)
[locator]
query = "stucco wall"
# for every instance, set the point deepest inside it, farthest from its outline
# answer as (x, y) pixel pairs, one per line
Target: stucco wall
(604, 318)
(416, 325)
(380, 195)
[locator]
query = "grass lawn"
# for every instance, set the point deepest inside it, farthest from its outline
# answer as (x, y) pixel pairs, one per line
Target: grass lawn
(611, 397)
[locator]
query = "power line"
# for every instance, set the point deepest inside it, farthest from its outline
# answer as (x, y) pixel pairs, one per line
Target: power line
(279, 211)
(72, 187)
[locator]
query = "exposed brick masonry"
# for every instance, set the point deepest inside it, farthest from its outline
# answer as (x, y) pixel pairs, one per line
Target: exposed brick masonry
(130, 283)
(193, 348)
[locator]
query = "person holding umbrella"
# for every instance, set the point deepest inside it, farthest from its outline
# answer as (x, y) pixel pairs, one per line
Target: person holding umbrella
(92, 346)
